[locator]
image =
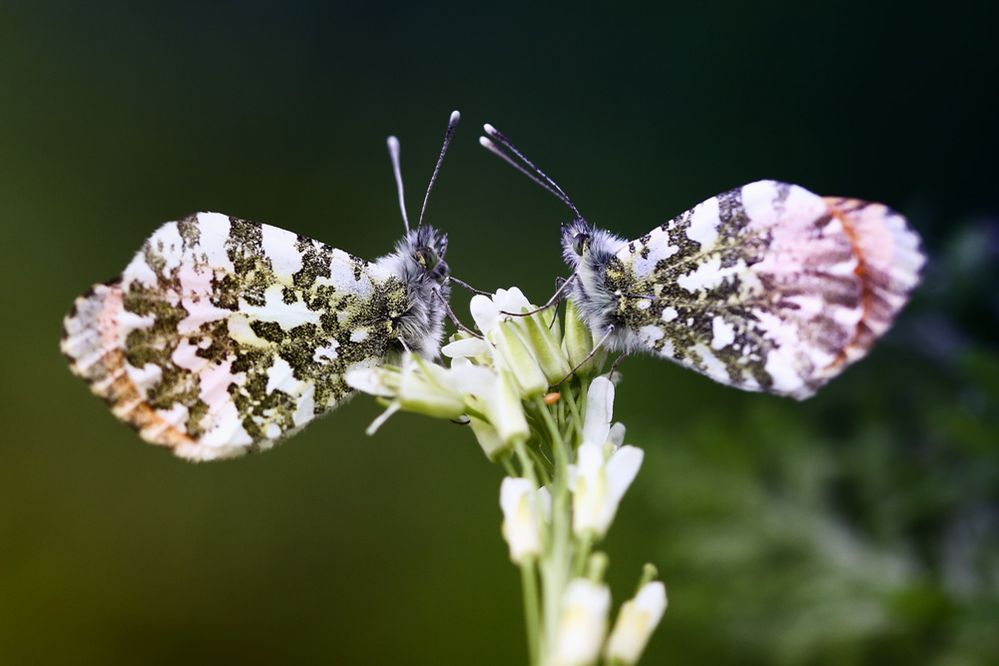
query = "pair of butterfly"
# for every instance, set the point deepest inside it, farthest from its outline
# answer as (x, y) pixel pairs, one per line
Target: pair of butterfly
(223, 336)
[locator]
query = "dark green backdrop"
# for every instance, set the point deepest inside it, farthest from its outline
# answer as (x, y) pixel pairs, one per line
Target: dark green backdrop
(857, 528)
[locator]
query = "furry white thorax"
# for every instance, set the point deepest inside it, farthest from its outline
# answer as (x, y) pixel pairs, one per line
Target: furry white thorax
(418, 261)
(594, 302)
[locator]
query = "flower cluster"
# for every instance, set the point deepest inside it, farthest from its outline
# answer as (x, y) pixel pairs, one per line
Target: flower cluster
(535, 402)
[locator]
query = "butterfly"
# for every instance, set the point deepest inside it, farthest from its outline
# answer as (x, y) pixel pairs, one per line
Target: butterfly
(223, 336)
(767, 287)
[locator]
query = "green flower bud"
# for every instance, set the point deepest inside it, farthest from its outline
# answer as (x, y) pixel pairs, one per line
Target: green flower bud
(506, 412)
(425, 389)
(519, 360)
(489, 439)
(578, 343)
(545, 345)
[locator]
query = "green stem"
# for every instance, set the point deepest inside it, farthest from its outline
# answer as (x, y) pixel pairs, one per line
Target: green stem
(531, 604)
(542, 466)
(558, 444)
(577, 419)
(508, 465)
(526, 464)
(531, 601)
(557, 563)
(582, 553)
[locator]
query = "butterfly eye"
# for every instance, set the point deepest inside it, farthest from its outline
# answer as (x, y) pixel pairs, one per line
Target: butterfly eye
(426, 258)
(579, 242)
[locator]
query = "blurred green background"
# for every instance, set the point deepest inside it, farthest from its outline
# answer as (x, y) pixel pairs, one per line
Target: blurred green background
(857, 528)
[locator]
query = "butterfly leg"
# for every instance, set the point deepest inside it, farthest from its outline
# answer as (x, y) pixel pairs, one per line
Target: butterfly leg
(596, 348)
(616, 363)
(465, 285)
(559, 282)
(453, 317)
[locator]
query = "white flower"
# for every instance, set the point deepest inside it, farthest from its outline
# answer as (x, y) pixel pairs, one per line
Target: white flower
(525, 511)
(464, 388)
(427, 388)
(495, 397)
(508, 335)
(582, 623)
(604, 469)
(515, 356)
(380, 382)
(599, 410)
(467, 348)
(636, 621)
(419, 386)
(487, 312)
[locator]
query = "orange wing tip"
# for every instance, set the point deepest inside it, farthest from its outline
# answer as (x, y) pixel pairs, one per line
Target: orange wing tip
(91, 345)
(889, 261)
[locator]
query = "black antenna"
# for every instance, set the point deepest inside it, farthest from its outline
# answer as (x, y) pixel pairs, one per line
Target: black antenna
(393, 146)
(528, 168)
(452, 123)
(488, 144)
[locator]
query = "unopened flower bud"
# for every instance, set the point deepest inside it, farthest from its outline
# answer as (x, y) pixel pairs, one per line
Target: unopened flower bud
(525, 510)
(518, 359)
(489, 439)
(545, 345)
(598, 485)
(578, 343)
(425, 389)
(506, 412)
(582, 623)
(636, 621)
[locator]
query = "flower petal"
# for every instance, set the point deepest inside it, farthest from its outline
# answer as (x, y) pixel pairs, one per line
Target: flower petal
(636, 621)
(582, 623)
(382, 418)
(523, 510)
(622, 468)
(370, 381)
(484, 312)
(616, 436)
(511, 300)
(467, 348)
(599, 411)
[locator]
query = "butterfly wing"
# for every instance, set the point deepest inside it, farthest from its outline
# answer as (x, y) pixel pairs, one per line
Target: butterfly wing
(767, 287)
(223, 335)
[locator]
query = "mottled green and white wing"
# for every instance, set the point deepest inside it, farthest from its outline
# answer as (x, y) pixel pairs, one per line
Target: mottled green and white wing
(223, 335)
(767, 287)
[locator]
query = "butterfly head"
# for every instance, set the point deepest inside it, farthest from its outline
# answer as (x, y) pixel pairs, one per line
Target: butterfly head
(424, 249)
(577, 239)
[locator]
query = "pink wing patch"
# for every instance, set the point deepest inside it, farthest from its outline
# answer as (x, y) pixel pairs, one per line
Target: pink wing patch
(889, 261)
(92, 345)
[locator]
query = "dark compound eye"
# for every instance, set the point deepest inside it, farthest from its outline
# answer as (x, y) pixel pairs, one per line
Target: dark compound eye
(579, 242)
(426, 258)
